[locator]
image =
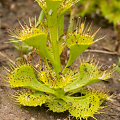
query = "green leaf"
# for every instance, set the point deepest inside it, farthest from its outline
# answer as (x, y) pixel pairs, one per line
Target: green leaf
(24, 76)
(32, 99)
(41, 16)
(117, 68)
(80, 39)
(39, 42)
(89, 73)
(58, 105)
(86, 106)
(24, 47)
(75, 51)
(15, 42)
(48, 77)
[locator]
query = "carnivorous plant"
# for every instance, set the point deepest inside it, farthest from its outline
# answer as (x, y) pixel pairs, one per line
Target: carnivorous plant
(59, 88)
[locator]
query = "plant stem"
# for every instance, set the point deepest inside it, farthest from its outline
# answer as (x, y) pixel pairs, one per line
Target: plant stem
(70, 28)
(52, 19)
(54, 41)
(53, 31)
(61, 25)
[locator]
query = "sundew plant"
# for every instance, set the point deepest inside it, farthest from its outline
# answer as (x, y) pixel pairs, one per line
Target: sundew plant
(59, 88)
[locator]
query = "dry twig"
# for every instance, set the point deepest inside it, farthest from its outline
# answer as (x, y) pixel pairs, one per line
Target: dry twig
(102, 51)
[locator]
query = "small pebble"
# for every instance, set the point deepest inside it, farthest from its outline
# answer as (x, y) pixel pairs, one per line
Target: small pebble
(65, 119)
(16, 118)
(11, 114)
(27, 112)
(64, 37)
(110, 59)
(32, 118)
(0, 90)
(12, 6)
(51, 117)
(118, 96)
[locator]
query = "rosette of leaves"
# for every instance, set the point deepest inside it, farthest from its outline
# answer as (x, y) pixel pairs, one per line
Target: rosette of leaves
(58, 93)
(53, 86)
